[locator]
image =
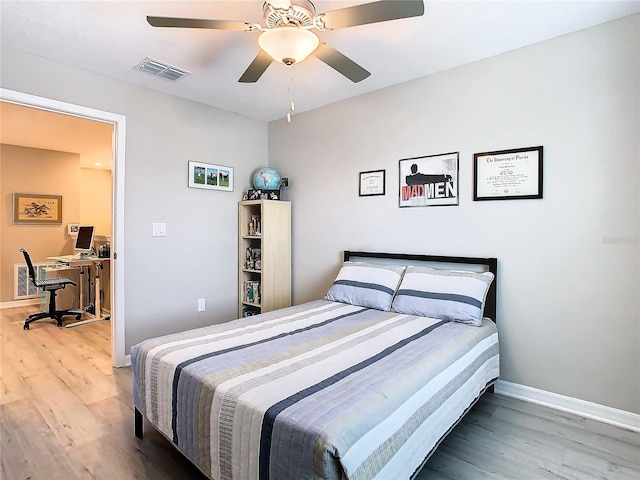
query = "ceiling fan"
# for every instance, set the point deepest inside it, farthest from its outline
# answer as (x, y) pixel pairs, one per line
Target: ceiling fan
(287, 37)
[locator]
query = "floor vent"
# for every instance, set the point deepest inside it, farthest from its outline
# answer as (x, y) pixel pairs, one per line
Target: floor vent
(161, 69)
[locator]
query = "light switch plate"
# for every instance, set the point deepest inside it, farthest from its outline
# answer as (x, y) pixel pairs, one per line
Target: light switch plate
(159, 229)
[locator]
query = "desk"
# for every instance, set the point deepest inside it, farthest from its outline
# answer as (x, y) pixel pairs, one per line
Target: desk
(98, 267)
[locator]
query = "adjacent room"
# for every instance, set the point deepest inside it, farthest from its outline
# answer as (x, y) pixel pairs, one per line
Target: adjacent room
(337, 239)
(68, 160)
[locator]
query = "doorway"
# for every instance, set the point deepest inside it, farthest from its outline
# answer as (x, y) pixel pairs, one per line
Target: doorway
(118, 357)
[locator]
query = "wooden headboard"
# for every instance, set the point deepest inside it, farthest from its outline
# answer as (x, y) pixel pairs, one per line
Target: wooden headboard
(439, 261)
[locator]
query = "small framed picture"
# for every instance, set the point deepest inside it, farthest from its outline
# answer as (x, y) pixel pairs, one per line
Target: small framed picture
(372, 183)
(254, 194)
(37, 209)
(210, 177)
(72, 229)
(508, 174)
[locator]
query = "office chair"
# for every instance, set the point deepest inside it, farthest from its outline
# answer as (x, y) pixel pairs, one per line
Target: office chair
(51, 285)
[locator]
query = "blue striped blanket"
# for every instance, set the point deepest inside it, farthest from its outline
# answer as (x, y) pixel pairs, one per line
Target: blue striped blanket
(322, 390)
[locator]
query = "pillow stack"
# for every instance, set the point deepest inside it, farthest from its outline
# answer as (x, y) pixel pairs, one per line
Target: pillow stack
(454, 295)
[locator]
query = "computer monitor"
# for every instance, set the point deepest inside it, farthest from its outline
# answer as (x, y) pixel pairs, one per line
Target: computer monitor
(84, 241)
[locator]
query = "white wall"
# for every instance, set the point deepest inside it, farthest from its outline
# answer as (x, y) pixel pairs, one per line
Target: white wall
(165, 276)
(569, 272)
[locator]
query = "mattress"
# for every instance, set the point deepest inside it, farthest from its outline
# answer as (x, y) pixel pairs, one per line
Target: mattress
(323, 390)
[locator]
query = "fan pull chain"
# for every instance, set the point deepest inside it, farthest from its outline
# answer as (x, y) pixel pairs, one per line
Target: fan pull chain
(290, 94)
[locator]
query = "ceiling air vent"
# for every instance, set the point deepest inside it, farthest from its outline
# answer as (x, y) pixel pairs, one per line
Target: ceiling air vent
(161, 69)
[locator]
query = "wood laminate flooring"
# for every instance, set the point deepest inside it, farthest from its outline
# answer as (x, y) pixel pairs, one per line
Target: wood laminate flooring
(66, 414)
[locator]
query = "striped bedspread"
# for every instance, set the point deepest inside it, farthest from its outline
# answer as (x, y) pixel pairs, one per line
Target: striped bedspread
(322, 390)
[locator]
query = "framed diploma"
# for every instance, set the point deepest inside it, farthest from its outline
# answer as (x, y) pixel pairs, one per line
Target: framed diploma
(372, 183)
(508, 174)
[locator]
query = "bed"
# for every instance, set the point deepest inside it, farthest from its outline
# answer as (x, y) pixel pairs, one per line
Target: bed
(364, 383)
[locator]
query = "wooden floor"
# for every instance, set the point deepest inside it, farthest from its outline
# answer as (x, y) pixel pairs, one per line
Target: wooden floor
(66, 414)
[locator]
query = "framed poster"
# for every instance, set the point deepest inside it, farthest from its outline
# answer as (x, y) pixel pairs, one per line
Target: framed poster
(37, 209)
(372, 183)
(210, 177)
(429, 181)
(508, 174)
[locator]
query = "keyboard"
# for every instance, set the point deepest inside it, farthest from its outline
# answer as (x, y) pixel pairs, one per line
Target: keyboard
(73, 258)
(67, 259)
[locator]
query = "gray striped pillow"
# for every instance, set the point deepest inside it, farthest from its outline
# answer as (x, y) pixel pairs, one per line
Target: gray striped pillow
(366, 284)
(445, 294)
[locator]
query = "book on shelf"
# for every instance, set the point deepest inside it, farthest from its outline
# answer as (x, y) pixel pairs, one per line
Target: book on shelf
(251, 293)
(256, 259)
(248, 256)
(253, 260)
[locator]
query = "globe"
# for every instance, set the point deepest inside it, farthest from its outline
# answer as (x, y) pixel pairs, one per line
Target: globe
(266, 179)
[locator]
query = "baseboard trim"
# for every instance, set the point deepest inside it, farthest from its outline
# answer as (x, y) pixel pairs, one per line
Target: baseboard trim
(594, 411)
(19, 303)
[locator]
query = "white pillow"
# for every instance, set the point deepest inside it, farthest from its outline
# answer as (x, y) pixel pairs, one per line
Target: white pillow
(366, 284)
(453, 295)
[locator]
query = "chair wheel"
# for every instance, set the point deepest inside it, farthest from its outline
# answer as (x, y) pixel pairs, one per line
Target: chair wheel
(26, 326)
(78, 316)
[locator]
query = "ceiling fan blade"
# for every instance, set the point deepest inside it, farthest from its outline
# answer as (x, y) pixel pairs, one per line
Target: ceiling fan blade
(199, 23)
(257, 68)
(280, 4)
(373, 12)
(341, 63)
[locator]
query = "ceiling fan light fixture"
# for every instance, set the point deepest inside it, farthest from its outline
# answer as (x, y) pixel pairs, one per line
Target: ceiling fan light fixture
(288, 45)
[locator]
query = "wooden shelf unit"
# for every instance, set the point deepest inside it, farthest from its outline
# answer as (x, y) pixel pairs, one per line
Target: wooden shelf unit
(274, 242)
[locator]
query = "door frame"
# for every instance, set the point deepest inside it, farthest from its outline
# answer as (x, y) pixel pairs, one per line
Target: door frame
(118, 357)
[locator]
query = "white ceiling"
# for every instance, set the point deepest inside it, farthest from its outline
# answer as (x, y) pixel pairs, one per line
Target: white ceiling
(112, 37)
(36, 128)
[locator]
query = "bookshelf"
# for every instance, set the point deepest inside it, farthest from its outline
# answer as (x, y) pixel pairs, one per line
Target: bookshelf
(264, 256)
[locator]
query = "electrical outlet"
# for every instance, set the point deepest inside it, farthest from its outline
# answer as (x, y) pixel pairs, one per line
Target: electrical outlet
(201, 305)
